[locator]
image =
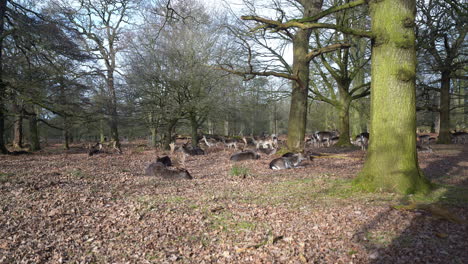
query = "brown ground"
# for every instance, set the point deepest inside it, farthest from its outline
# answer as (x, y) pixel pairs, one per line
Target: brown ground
(63, 206)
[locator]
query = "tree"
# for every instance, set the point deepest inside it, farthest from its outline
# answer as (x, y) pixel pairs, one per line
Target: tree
(3, 33)
(27, 45)
(102, 23)
(441, 40)
(392, 160)
(298, 31)
(349, 64)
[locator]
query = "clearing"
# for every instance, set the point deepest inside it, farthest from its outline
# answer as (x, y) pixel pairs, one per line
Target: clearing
(63, 206)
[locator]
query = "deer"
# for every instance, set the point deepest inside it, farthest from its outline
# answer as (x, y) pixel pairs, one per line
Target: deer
(164, 160)
(248, 141)
(288, 161)
(423, 139)
(97, 148)
(158, 169)
(191, 150)
(361, 140)
(271, 142)
(208, 144)
(325, 136)
(459, 137)
(230, 143)
(244, 155)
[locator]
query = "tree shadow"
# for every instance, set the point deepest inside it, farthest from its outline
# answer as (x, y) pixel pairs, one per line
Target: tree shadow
(435, 231)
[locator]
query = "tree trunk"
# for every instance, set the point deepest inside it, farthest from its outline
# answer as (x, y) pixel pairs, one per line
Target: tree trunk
(154, 141)
(210, 127)
(66, 134)
(444, 133)
(344, 122)
(18, 126)
(435, 128)
(392, 160)
(114, 121)
(297, 122)
(153, 129)
(102, 137)
(298, 109)
(194, 129)
(168, 134)
(3, 148)
(356, 119)
(226, 128)
(34, 132)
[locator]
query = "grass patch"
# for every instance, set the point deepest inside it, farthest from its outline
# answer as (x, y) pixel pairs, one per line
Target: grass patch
(146, 204)
(175, 199)
(282, 151)
(298, 193)
(444, 194)
(239, 171)
(382, 238)
(5, 177)
(139, 149)
(228, 222)
(79, 174)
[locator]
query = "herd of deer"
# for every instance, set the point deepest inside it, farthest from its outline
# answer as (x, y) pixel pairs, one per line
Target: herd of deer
(250, 148)
(266, 145)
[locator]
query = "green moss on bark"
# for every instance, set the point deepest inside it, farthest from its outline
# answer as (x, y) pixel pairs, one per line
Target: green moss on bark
(392, 161)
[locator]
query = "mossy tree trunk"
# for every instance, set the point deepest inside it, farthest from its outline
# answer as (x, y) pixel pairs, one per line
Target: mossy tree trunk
(343, 113)
(194, 129)
(153, 124)
(298, 110)
(344, 125)
(392, 160)
(444, 118)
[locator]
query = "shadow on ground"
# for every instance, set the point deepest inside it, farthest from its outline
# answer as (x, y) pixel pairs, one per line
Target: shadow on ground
(438, 224)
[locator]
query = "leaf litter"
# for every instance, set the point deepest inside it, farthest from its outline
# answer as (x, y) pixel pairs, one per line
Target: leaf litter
(60, 207)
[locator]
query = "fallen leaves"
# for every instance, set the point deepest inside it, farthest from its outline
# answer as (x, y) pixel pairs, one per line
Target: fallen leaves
(62, 208)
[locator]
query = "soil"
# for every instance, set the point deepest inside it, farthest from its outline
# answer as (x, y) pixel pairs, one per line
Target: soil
(64, 206)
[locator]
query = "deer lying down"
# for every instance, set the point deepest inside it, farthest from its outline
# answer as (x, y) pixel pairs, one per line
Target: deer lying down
(164, 160)
(288, 162)
(95, 149)
(158, 169)
(244, 155)
(191, 150)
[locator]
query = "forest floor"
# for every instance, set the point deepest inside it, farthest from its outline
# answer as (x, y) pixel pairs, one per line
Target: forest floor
(64, 206)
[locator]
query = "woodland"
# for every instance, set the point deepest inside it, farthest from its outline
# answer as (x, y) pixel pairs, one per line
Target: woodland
(233, 131)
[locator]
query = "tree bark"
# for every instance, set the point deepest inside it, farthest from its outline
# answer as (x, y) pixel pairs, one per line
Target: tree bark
(194, 129)
(154, 133)
(392, 160)
(226, 128)
(3, 149)
(34, 132)
(102, 137)
(444, 119)
(66, 134)
(344, 121)
(114, 120)
(298, 110)
(153, 129)
(297, 122)
(168, 134)
(18, 126)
